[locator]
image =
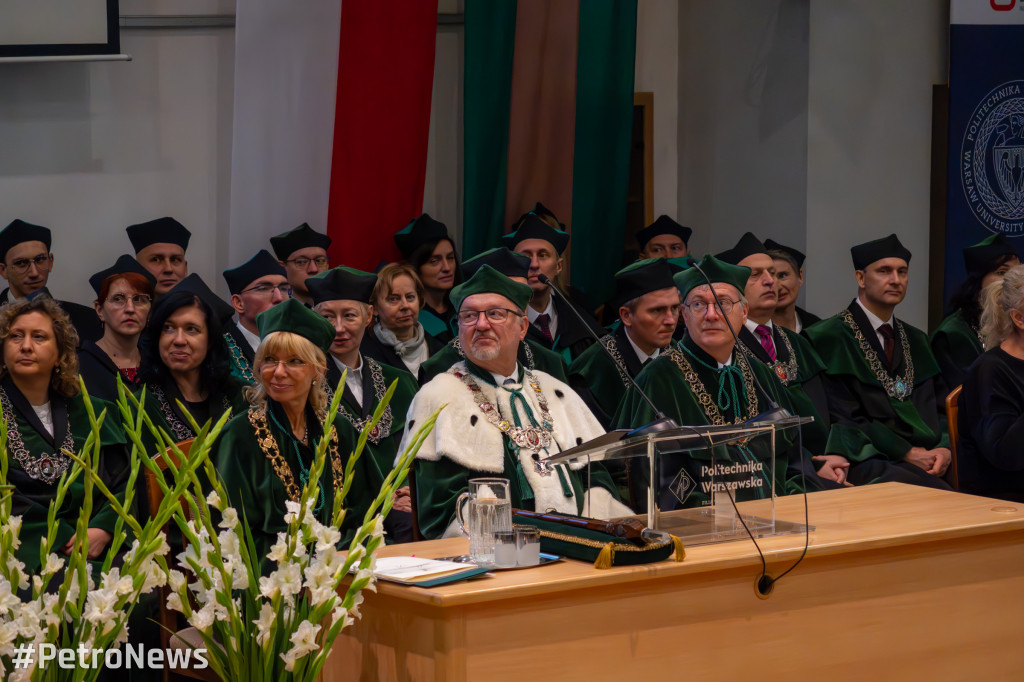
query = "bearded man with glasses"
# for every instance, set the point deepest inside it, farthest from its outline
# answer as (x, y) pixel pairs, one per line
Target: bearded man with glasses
(256, 285)
(26, 264)
(501, 419)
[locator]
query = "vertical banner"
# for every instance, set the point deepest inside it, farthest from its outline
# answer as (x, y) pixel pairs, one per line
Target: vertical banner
(382, 126)
(986, 127)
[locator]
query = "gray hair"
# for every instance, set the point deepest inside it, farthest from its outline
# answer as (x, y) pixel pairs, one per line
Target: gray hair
(1001, 297)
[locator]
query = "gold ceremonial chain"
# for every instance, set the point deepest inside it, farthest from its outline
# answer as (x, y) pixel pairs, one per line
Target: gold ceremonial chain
(704, 398)
(786, 372)
(383, 428)
(527, 351)
(267, 443)
(608, 341)
(533, 438)
(899, 388)
(45, 468)
(239, 358)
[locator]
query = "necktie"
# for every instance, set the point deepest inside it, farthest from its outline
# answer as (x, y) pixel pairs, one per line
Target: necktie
(890, 341)
(766, 340)
(542, 323)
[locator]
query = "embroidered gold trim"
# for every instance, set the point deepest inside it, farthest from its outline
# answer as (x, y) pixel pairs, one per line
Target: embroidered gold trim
(244, 368)
(899, 388)
(267, 443)
(609, 342)
(785, 371)
(383, 428)
(598, 544)
(704, 399)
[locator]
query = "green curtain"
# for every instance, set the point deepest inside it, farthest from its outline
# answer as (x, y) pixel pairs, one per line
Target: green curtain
(604, 115)
(490, 40)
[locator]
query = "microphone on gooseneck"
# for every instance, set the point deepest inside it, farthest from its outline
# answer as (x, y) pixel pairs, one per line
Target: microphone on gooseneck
(661, 422)
(775, 412)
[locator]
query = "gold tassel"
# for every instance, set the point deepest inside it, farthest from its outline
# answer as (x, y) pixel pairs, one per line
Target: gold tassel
(680, 549)
(606, 557)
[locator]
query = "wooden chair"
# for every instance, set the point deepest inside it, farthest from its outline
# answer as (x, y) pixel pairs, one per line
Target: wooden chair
(952, 410)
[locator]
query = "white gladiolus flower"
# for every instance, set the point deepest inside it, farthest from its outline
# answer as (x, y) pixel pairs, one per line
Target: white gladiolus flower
(213, 499)
(8, 600)
(174, 602)
(264, 625)
(356, 601)
(279, 550)
(229, 518)
(114, 582)
(367, 573)
(202, 619)
(155, 577)
(99, 606)
(53, 564)
(304, 640)
(229, 548)
(326, 537)
(342, 614)
(175, 580)
(378, 527)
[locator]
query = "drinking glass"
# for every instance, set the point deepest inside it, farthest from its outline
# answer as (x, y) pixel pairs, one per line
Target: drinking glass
(482, 511)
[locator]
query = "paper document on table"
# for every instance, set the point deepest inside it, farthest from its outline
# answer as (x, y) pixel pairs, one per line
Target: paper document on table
(411, 570)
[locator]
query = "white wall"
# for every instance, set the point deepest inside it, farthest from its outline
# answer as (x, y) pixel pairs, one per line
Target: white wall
(88, 149)
(873, 63)
(657, 71)
(742, 121)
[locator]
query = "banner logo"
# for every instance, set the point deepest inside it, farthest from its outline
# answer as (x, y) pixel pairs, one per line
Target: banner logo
(992, 159)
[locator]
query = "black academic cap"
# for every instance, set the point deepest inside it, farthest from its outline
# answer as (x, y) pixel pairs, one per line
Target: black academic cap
(773, 245)
(302, 237)
(988, 254)
(341, 283)
(123, 265)
(260, 265)
(642, 277)
(422, 230)
(508, 263)
(748, 245)
(542, 211)
(194, 284)
(887, 247)
(532, 227)
(159, 231)
(663, 225)
(18, 231)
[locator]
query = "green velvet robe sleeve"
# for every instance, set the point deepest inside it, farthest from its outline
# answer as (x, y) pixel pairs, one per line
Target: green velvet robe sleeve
(380, 456)
(32, 497)
(596, 378)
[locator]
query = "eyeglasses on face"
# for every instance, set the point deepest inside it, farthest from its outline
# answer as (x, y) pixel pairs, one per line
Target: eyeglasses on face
(469, 318)
(701, 307)
(121, 300)
(301, 262)
(21, 265)
(270, 363)
(268, 289)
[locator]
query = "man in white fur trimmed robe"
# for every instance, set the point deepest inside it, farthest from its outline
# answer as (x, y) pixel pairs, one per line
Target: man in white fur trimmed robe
(501, 419)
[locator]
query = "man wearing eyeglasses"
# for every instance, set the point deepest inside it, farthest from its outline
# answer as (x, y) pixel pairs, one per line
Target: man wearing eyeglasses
(705, 380)
(256, 285)
(160, 248)
(26, 263)
(501, 419)
(303, 253)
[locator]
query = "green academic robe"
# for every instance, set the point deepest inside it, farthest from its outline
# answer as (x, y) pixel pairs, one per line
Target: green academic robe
(601, 381)
(956, 345)
(32, 494)
(465, 445)
(663, 380)
(382, 444)
(162, 408)
(532, 355)
(858, 397)
(256, 489)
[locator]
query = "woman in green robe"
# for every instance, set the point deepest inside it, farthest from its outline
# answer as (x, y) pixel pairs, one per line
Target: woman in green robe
(264, 454)
(45, 414)
(956, 342)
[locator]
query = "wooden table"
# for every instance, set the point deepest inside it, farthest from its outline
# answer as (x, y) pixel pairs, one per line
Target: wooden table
(899, 582)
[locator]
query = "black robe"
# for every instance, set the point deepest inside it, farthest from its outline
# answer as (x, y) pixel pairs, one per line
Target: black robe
(84, 318)
(991, 419)
(99, 372)
(384, 353)
(572, 336)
